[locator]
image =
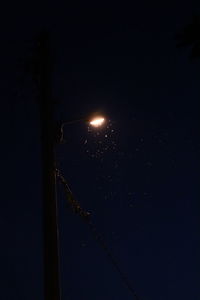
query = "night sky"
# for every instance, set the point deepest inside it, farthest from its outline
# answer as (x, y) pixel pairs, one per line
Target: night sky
(137, 176)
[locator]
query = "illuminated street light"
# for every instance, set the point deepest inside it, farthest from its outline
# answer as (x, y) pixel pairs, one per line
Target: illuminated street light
(97, 121)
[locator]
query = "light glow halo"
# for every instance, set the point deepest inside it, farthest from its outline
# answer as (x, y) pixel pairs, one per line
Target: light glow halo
(97, 121)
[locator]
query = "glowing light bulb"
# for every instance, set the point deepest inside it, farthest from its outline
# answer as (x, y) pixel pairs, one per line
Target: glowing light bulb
(97, 122)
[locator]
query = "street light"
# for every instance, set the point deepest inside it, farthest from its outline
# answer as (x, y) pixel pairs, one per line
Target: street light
(96, 121)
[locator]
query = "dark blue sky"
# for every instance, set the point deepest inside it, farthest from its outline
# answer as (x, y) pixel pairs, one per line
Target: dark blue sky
(138, 176)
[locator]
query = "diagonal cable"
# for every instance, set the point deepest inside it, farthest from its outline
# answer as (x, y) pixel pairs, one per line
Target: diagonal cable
(86, 216)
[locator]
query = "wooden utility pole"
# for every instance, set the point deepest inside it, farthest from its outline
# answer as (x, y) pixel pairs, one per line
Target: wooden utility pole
(51, 254)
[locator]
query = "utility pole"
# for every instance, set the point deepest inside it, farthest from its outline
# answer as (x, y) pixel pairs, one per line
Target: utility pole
(43, 70)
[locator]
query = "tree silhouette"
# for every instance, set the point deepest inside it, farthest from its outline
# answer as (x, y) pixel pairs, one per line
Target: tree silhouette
(190, 37)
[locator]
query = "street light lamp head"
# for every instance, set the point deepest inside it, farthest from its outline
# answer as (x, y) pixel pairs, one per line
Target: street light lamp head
(97, 121)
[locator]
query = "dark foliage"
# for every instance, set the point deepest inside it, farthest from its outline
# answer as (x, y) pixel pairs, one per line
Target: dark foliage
(190, 37)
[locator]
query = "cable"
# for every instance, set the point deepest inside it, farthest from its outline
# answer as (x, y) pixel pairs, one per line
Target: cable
(86, 216)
